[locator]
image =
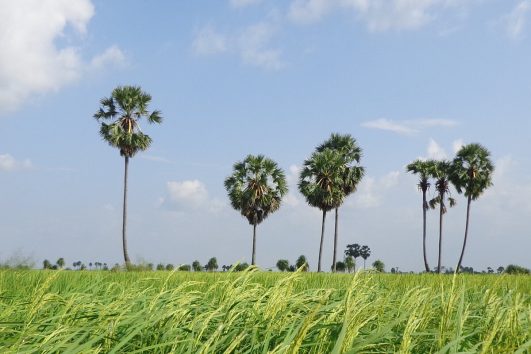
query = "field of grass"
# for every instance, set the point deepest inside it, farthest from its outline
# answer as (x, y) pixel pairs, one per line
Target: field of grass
(260, 312)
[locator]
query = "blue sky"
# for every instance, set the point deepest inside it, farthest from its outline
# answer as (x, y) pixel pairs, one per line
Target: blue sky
(407, 78)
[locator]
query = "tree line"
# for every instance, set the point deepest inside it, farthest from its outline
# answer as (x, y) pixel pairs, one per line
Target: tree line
(329, 175)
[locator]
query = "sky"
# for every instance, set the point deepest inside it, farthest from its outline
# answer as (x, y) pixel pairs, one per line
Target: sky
(407, 78)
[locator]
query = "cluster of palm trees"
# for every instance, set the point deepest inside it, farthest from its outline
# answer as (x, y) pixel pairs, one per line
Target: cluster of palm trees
(257, 185)
(471, 174)
(332, 172)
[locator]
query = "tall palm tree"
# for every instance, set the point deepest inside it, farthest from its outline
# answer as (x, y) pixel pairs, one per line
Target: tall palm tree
(354, 251)
(351, 153)
(471, 175)
(256, 188)
(441, 173)
(365, 252)
(321, 182)
(424, 169)
(126, 106)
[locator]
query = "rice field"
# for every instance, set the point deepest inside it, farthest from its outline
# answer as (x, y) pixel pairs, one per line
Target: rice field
(262, 312)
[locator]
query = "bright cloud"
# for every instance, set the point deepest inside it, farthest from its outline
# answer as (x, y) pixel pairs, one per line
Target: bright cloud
(436, 151)
(190, 195)
(516, 20)
(111, 56)
(371, 191)
(9, 164)
(32, 62)
(209, 41)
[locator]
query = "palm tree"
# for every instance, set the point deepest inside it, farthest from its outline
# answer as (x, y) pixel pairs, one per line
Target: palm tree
(365, 252)
(321, 183)
(283, 265)
(256, 188)
(471, 175)
(351, 153)
(350, 263)
(353, 250)
(302, 262)
(424, 169)
(441, 172)
(124, 109)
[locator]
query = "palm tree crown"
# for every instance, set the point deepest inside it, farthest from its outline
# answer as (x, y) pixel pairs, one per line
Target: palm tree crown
(126, 106)
(256, 187)
(472, 170)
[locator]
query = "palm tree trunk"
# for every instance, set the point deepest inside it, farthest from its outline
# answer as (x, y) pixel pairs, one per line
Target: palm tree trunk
(441, 209)
(124, 218)
(254, 245)
(466, 233)
(335, 244)
(321, 244)
(363, 263)
(424, 231)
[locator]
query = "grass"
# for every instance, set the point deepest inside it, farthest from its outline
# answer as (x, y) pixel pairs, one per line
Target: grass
(259, 312)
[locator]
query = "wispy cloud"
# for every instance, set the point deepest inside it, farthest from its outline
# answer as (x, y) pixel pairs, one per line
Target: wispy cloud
(9, 164)
(408, 127)
(436, 151)
(371, 191)
(252, 44)
(517, 19)
(189, 195)
(386, 124)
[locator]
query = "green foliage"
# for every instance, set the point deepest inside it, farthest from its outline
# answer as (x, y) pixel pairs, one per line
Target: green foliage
(212, 264)
(516, 269)
(350, 263)
(260, 312)
(169, 267)
(340, 267)
(60, 262)
(185, 268)
(256, 187)
(196, 266)
(379, 266)
(302, 263)
(425, 170)
(124, 109)
(240, 267)
(283, 265)
(472, 170)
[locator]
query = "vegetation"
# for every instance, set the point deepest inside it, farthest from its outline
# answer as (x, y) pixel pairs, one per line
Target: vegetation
(124, 108)
(515, 269)
(379, 266)
(471, 175)
(256, 188)
(257, 312)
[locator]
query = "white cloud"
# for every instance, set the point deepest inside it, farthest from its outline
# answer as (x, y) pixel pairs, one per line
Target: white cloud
(9, 164)
(435, 151)
(251, 44)
(385, 124)
(243, 3)
(189, 195)
(292, 179)
(111, 56)
(379, 15)
(209, 41)
(32, 63)
(457, 145)
(409, 127)
(516, 20)
(371, 191)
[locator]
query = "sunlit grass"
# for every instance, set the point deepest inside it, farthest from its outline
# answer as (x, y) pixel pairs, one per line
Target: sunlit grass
(262, 312)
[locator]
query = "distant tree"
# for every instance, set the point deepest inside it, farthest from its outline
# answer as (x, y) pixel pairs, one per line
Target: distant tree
(60, 263)
(350, 263)
(379, 266)
(90, 265)
(425, 170)
(301, 262)
(170, 267)
(160, 266)
(283, 265)
(353, 250)
(468, 270)
(150, 266)
(442, 171)
(321, 183)
(226, 267)
(340, 267)
(185, 268)
(365, 252)
(500, 269)
(256, 188)
(292, 268)
(241, 267)
(393, 270)
(352, 173)
(472, 172)
(490, 270)
(124, 109)
(516, 269)
(105, 267)
(212, 264)
(46, 264)
(196, 266)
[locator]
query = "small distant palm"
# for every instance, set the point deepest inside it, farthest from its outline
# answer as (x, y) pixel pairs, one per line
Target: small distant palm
(256, 188)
